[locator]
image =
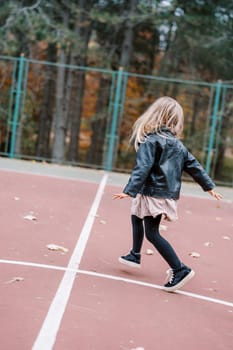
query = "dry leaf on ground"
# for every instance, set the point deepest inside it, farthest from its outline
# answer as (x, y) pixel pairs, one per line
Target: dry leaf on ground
(208, 244)
(149, 252)
(211, 289)
(195, 255)
(57, 248)
(30, 217)
(226, 237)
(16, 279)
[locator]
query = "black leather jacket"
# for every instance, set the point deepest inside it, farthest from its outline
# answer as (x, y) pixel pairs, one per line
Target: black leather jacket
(160, 162)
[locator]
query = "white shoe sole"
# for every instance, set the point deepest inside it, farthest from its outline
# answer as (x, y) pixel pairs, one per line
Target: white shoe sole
(181, 283)
(129, 263)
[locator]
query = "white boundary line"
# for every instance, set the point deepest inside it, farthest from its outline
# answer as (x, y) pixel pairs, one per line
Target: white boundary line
(47, 335)
(116, 278)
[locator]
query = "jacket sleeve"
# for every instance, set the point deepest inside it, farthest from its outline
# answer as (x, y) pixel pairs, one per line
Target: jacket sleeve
(194, 169)
(144, 163)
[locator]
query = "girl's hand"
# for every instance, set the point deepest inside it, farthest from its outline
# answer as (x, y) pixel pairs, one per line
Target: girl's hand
(215, 194)
(120, 195)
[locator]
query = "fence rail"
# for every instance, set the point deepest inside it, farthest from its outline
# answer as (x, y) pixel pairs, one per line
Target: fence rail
(83, 115)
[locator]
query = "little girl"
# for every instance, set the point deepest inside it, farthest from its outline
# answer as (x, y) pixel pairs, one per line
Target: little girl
(155, 183)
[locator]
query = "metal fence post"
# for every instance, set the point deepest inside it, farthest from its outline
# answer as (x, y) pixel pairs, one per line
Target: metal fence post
(17, 106)
(213, 126)
(113, 127)
(218, 129)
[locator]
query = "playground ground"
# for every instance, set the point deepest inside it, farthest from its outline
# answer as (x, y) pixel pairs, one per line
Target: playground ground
(62, 287)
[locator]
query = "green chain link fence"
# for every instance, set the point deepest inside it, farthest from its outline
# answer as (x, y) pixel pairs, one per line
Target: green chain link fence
(83, 116)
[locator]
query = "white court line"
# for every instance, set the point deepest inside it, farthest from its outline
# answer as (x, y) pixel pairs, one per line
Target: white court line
(117, 278)
(47, 335)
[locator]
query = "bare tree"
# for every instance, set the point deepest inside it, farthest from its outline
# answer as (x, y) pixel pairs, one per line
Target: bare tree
(83, 30)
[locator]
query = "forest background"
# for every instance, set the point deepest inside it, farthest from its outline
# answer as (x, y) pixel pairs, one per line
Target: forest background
(75, 75)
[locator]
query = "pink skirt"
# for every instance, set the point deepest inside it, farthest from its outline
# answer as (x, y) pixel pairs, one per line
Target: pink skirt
(150, 206)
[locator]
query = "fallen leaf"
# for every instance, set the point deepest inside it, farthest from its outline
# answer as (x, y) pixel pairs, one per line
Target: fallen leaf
(103, 222)
(208, 244)
(16, 198)
(188, 212)
(163, 227)
(226, 237)
(30, 217)
(149, 252)
(57, 247)
(195, 255)
(211, 289)
(16, 279)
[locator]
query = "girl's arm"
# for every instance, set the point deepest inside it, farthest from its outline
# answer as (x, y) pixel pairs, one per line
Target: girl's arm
(215, 194)
(194, 168)
(144, 162)
(198, 173)
(120, 195)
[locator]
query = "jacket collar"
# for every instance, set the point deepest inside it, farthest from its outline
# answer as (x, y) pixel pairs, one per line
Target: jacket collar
(166, 131)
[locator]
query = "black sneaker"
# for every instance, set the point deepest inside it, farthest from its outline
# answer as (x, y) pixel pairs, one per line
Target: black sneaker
(178, 278)
(132, 259)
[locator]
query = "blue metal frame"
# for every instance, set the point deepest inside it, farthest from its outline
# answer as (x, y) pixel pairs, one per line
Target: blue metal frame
(113, 128)
(213, 126)
(17, 106)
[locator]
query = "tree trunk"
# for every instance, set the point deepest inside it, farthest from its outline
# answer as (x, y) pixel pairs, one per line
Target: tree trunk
(59, 120)
(126, 49)
(126, 52)
(98, 125)
(218, 170)
(83, 31)
(62, 96)
(19, 133)
(46, 114)
(76, 108)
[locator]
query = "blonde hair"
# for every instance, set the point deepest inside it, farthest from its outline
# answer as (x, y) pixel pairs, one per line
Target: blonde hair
(165, 112)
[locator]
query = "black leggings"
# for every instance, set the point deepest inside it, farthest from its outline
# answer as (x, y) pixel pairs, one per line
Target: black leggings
(151, 227)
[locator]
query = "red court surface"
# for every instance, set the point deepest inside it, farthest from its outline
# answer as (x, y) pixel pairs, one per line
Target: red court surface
(83, 299)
